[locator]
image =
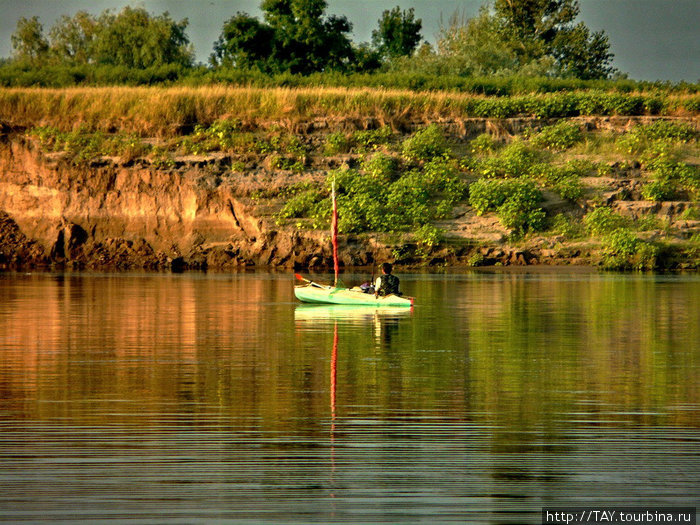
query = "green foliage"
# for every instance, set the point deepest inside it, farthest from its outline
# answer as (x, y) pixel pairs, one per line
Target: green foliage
(295, 37)
(623, 250)
(476, 259)
(567, 226)
(660, 134)
(426, 144)
(564, 180)
(668, 173)
(398, 33)
(28, 41)
(515, 201)
(534, 38)
(483, 144)
(286, 163)
(301, 204)
(132, 38)
(667, 130)
(659, 190)
(336, 143)
(691, 214)
(82, 146)
(369, 139)
(603, 220)
(381, 167)
(559, 137)
(380, 197)
(569, 187)
(515, 160)
(428, 236)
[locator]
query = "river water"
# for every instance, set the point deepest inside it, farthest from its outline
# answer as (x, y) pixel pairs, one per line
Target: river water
(214, 398)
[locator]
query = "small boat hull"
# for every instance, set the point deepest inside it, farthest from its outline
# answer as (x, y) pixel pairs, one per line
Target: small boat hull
(331, 295)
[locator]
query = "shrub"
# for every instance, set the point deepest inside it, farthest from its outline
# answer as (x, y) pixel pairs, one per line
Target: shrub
(618, 248)
(381, 167)
(623, 250)
(667, 130)
(515, 160)
(646, 256)
(428, 236)
(659, 190)
(336, 143)
(515, 202)
(661, 134)
(559, 137)
(484, 143)
(662, 161)
(486, 195)
(569, 187)
(603, 220)
(567, 226)
(299, 205)
(370, 139)
(426, 145)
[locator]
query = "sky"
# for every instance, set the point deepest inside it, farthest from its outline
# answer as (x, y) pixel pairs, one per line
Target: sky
(651, 39)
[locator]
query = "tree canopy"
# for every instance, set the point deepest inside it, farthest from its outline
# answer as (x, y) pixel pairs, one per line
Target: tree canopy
(295, 36)
(131, 38)
(522, 37)
(508, 37)
(398, 33)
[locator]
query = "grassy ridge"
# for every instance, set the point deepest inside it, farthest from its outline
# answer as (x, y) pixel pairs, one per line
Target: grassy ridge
(166, 111)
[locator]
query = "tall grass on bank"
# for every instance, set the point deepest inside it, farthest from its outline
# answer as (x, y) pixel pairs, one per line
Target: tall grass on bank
(167, 111)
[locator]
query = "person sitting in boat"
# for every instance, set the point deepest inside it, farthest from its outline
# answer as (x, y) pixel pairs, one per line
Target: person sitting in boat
(387, 283)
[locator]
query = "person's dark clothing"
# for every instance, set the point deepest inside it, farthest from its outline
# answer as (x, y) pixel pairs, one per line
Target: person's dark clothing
(388, 284)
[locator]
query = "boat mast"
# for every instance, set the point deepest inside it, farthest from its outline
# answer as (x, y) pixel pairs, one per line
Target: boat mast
(334, 232)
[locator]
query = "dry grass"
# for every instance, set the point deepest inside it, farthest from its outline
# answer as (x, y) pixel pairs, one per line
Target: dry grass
(158, 111)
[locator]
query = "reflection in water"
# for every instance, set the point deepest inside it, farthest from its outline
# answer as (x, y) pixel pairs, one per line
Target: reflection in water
(198, 398)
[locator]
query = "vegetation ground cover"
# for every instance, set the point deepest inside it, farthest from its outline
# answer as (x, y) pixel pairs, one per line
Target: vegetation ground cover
(393, 182)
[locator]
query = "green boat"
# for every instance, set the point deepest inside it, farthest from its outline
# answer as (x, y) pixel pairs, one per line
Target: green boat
(320, 294)
(316, 293)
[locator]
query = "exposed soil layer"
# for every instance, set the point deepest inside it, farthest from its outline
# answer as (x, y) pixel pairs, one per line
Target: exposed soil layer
(206, 212)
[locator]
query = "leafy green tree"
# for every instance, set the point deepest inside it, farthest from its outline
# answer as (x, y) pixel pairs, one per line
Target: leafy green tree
(583, 54)
(524, 37)
(546, 27)
(28, 40)
(244, 42)
(72, 39)
(476, 46)
(398, 33)
(136, 39)
(295, 36)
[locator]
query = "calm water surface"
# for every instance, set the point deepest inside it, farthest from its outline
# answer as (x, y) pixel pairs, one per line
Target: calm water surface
(218, 398)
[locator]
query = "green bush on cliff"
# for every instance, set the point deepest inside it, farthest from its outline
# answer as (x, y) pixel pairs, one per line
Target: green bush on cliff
(603, 220)
(483, 144)
(381, 167)
(516, 202)
(515, 160)
(558, 137)
(336, 143)
(659, 190)
(622, 250)
(363, 141)
(379, 197)
(668, 173)
(426, 145)
(82, 146)
(300, 204)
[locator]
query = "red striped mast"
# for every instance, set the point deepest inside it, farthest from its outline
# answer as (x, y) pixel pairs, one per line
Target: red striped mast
(334, 232)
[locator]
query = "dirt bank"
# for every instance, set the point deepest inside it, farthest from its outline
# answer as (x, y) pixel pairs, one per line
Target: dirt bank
(206, 211)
